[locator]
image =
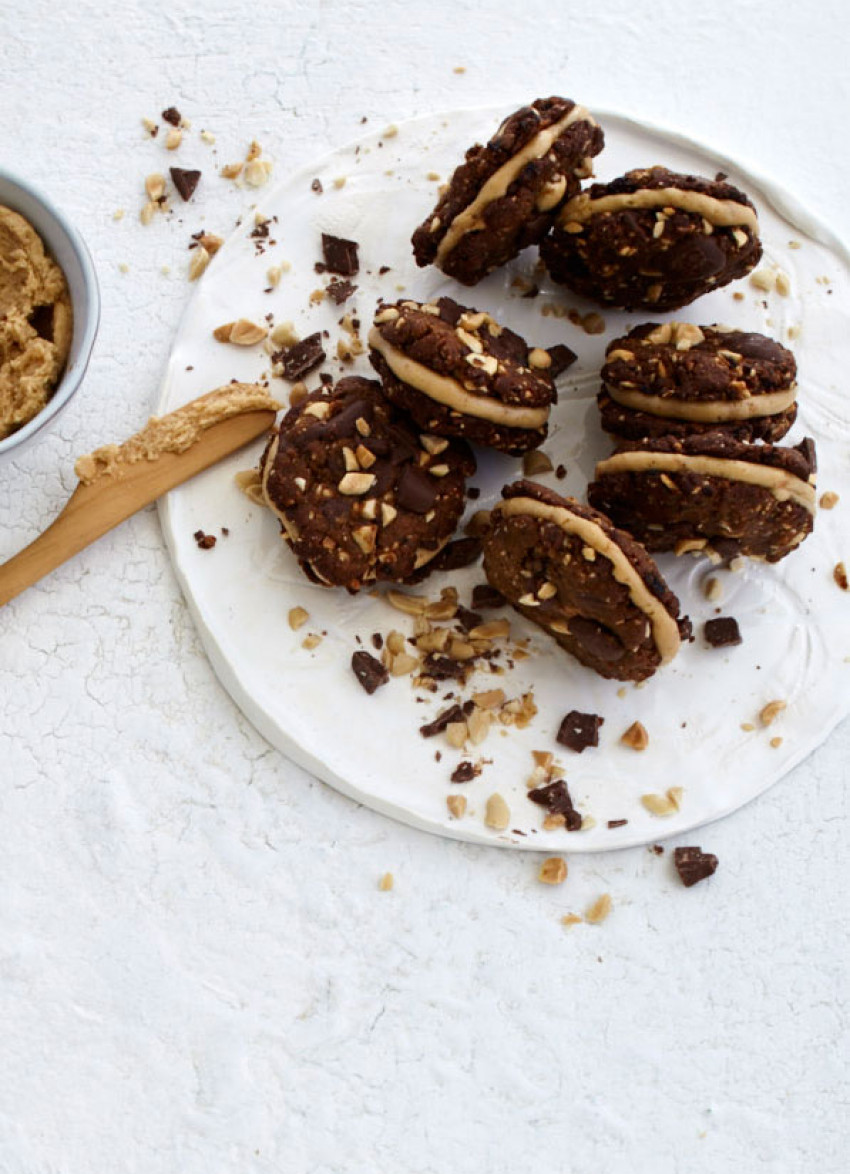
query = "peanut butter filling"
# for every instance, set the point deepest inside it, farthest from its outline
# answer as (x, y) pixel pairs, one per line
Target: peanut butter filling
(704, 411)
(449, 392)
(720, 213)
(784, 486)
(470, 219)
(665, 630)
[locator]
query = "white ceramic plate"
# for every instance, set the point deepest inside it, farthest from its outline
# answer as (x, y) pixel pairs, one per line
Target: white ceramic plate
(794, 619)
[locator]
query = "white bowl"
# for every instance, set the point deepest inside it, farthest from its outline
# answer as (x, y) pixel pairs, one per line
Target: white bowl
(68, 248)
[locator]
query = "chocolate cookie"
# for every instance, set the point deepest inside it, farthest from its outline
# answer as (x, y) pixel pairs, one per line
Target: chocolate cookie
(360, 495)
(592, 587)
(505, 196)
(457, 372)
(710, 493)
(653, 240)
(676, 379)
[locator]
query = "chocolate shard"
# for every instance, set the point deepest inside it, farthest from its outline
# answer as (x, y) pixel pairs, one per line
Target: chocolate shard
(416, 491)
(617, 823)
(454, 713)
(693, 865)
(555, 797)
(468, 619)
(579, 730)
(340, 255)
(172, 115)
(562, 357)
(464, 772)
(339, 291)
(185, 181)
(304, 357)
(484, 596)
(369, 671)
(722, 632)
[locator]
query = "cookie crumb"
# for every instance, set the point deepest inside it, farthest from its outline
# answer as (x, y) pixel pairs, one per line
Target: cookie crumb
(204, 541)
(722, 632)
(599, 910)
(553, 871)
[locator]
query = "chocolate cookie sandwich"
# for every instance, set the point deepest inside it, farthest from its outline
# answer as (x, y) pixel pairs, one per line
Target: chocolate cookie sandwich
(458, 372)
(710, 493)
(504, 196)
(677, 379)
(589, 585)
(653, 239)
(361, 496)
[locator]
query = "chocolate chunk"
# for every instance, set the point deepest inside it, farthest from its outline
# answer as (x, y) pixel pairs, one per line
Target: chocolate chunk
(454, 555)
(617, 823)
(722, 632)
(339, 291)
(316, 186)
(579, 730)
(473, 493)
(561, 472)
(562, 357)
(185, 181)
(555, 797)
(693, 865)
(204, 541)
(172, 115)
(340, 255)
(656, 850)
(369, 671)
(453, 714)
(484, 596)
(464, 772)
(302, 358)
(377, 641)
(416, 491)
(468, 619)
(442, 668)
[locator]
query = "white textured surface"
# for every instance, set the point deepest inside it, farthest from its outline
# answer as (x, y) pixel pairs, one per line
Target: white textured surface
(197, 971)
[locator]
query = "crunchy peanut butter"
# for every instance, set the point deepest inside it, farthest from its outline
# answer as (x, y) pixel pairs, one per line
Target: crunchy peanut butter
(720, 213)
(36, 323)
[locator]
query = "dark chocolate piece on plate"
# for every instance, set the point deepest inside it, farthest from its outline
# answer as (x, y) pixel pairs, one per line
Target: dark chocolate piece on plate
(454, 713)
(562, 358)
(185, 181)
(693, 865)
(653, 239)
(505, 195)
(484, 596)
(722, 632)
(172, 116)
(369, 671)
(464, 772)
(340, 255)
(555, 797)
(303, 357)
(578, 730)
(617, 823)
(340, 291)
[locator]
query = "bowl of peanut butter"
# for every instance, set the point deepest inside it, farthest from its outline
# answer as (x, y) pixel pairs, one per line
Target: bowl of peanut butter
(49, 312)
